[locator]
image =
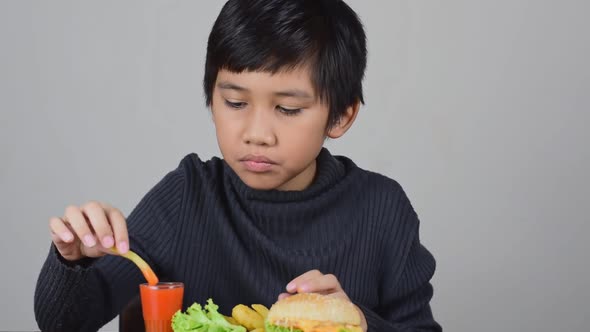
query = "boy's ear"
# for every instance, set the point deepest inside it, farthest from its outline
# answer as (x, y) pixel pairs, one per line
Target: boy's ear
(345, 122)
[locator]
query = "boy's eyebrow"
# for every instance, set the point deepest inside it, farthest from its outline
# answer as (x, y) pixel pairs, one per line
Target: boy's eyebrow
(294, 93)
(231, 86)
(287, 93)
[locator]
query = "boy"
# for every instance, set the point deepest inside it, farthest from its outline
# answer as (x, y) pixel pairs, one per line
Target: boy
(278, 214)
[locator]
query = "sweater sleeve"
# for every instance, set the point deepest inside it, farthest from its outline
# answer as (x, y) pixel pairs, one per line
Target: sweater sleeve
(406, 305)
(85, 295)
(406, 290)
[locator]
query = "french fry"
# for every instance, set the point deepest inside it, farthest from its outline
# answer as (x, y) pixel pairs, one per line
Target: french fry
(247, 317)
(262, 310)
(231, 320)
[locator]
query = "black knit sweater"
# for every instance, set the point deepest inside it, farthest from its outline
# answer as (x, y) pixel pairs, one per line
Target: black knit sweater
(203, 226)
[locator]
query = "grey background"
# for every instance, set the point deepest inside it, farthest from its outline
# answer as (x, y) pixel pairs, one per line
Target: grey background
(478, 108)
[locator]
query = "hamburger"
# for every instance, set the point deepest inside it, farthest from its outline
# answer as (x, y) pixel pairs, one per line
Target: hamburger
(309, 312)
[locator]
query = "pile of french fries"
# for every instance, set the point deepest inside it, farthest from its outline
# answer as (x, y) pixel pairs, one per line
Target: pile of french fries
(250, 318)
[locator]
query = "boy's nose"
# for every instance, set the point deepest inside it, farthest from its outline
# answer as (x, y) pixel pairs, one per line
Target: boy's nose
(259, 129)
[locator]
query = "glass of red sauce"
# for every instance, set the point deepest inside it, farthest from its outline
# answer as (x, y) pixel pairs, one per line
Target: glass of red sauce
(159, 302)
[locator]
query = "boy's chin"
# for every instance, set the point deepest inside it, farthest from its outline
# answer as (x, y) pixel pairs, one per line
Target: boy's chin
(258, 182)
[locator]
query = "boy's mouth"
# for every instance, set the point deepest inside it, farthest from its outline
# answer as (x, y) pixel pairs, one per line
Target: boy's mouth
(257, 164)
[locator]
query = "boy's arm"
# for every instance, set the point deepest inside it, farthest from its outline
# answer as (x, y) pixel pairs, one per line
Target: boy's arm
(85, 295)
(405, 303)
(79, 296)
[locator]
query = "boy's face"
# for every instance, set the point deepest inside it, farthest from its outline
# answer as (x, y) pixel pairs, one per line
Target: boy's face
(271, 127)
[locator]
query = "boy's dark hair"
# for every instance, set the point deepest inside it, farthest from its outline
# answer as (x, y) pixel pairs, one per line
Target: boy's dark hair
(275, 35)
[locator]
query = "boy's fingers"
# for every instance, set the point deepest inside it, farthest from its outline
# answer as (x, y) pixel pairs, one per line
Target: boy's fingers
(321, 284)
(97, 218)
(119, 226)
(294, 284)
(78, 222)
(56, 240)
(59, 231)
(284, 296)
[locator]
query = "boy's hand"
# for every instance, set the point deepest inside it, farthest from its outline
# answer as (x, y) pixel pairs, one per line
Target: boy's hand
(89, 230)
(316, 282)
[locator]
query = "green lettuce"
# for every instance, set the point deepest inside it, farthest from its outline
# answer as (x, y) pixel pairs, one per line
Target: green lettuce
(275, 328)
(199, 319)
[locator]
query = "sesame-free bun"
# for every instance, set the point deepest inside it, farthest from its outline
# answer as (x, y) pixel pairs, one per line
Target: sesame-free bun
(314, 307)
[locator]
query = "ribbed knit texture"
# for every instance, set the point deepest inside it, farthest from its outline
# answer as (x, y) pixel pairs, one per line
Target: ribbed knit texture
(203, 226)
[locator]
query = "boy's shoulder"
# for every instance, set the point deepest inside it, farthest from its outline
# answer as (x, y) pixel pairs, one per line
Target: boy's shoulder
(382, 181)
(192, 164)
(192, 170)
(372, 180)
(380, 185)
(385, 199)
(377, 187)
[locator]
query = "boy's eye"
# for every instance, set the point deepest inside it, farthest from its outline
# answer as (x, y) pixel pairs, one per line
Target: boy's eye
(236, 105)
(289, 111)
